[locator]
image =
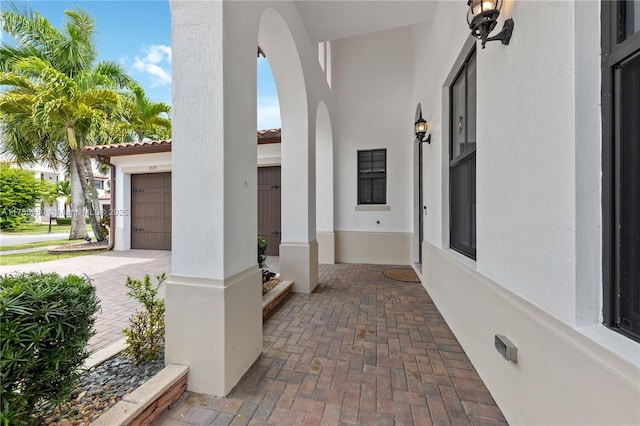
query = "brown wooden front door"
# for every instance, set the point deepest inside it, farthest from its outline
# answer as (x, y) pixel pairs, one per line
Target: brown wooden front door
(269, 208)
(151, 211)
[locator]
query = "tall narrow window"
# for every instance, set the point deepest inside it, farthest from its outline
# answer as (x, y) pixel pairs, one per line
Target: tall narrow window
(462, 160)
(372, 176)
(621, 156)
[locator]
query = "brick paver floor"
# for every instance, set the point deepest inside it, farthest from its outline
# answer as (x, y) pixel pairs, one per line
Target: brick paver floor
(109, 271)
(361, 349)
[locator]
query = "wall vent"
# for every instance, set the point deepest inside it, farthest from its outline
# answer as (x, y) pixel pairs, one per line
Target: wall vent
(507, 349)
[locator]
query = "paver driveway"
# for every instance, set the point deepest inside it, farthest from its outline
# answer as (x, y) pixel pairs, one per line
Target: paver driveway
(361, 349)
(109, 271)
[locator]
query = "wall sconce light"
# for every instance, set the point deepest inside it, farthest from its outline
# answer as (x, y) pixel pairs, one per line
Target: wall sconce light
(421, 130)
(482, 18)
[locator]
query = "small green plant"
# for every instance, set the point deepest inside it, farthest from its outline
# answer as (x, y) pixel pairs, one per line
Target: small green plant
(145, 332)
(46, 322)
(262, 252)
(105, 222)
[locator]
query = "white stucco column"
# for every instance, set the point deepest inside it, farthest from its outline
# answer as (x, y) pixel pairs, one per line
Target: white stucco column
(299, 248)
(214, 318)
(324, 186)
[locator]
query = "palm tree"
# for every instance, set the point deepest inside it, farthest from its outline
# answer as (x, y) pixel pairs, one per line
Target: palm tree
(146, 118)
(63, 189)
(58, 99)
(63, 107)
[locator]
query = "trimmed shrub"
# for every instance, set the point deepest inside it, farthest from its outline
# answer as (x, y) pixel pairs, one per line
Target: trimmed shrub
(67, 220)
(46, 322)
(20, 191)
(145, 333)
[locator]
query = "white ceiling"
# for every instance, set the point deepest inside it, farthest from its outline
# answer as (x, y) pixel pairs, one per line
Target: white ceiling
(335, 19)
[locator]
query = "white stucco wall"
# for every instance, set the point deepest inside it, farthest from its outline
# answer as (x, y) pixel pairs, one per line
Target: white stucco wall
(372, 77)
(537, 277)
(269, 154)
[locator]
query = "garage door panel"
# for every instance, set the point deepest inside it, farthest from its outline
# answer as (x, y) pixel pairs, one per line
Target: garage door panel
(269, 196)
(158, 224)
(150, 181)
(153, 241)
(151, 211)
(148, 197)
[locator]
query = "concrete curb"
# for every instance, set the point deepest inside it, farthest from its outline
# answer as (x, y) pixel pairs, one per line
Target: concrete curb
(104, 354)
(150, 400)
(277, 294)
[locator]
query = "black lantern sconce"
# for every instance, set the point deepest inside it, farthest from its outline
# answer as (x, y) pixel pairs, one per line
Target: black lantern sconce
(421, 130)
(482, 18)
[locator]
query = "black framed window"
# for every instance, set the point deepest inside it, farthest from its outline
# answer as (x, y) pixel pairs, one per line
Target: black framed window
(462, 159)
(372, 176)
(620, 170)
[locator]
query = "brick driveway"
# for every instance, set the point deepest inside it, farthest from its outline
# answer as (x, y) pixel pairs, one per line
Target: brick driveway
(361, 349)
(108, 271)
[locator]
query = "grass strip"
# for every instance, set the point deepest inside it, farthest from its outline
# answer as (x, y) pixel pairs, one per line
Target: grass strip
(39, 256)
(34, 245)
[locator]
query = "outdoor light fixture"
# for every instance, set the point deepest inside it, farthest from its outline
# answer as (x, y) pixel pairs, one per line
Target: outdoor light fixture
(421, 130)
(482, 18)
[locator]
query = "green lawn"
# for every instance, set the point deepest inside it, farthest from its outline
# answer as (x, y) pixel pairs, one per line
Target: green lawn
(40, 228)
(38, 256)
(33, 245)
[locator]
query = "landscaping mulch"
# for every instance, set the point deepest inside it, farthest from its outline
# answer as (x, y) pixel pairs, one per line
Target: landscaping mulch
(99, 389)
(266, 287)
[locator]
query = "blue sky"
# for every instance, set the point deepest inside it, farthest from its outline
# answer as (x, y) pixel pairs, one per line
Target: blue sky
(138, 35)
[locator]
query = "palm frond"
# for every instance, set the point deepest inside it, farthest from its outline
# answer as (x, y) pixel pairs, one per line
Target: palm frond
(115, 73)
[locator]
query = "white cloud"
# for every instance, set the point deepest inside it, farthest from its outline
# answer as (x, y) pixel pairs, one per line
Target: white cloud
(156, 63)
(268, 113)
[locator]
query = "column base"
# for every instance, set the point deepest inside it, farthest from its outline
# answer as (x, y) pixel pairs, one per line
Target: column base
(299, 263)
(214, 327)
(326, 247)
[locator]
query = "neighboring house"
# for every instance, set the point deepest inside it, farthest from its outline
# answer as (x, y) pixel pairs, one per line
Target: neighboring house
(511, 213)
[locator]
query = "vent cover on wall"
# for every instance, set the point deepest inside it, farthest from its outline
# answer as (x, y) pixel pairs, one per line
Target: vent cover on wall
(507, 349)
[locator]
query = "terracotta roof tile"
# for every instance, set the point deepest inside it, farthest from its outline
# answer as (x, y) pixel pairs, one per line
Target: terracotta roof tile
(126, 145)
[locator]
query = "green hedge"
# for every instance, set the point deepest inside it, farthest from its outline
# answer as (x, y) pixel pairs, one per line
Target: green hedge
(67, 220)
(46, 322)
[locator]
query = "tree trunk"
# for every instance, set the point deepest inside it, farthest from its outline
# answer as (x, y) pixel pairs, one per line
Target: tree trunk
(87, 196)
(94, 192)
(78, 226)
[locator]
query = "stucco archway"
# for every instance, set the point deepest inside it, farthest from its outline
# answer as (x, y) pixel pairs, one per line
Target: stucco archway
(324, 186)
(298, 250)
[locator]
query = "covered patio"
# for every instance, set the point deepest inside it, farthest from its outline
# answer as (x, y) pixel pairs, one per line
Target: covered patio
(361, 349)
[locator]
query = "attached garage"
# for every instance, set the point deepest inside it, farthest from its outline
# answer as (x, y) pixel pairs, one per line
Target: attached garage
(141, 192)
(151, 211)
(269, 208)
(140, 198)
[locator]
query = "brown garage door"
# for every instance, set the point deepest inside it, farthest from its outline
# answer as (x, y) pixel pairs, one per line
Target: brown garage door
(269, 208)
(151, 211)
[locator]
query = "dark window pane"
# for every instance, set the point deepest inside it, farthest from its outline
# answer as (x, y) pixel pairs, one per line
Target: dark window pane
(365, 191)
(458, 116)
(628, 141)
(471, 103)
(628, 19)
(463, 206)
(372, 176)
(378, 190)
(463, 167)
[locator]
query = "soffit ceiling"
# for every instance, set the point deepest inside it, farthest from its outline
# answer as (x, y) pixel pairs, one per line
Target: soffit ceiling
(335, 19)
